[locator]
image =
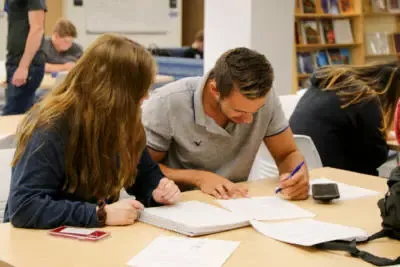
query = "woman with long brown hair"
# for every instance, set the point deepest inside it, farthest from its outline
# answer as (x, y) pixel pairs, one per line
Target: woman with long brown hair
(348, 112)
(85, 142)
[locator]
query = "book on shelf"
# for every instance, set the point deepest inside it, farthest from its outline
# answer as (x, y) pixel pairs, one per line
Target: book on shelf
(396, 42)
(322, 58)
(327, 31)
(378, 5)
(346, 6)
(309, 6)
(393, 6)
(334, 7)
(325, 6)
(322, 37)
(297, 35)
(338, 56)
(343, 33)
(309, 32)
(377, 43)
(306, 62)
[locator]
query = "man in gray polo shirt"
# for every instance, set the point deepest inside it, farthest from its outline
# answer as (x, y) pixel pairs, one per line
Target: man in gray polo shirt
(205, 131)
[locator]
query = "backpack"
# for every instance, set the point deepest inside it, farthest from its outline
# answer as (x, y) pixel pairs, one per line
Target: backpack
(390, 213)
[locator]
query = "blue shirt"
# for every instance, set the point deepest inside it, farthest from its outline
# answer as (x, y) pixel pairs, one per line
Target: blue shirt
(36, 197)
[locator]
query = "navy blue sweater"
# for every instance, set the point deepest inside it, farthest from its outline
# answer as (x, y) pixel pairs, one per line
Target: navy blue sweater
(36, 197)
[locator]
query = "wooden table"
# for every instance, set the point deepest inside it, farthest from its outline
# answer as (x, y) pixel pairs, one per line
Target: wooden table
(9, 124)
(49, 82)
(393, 145)
(24, 247)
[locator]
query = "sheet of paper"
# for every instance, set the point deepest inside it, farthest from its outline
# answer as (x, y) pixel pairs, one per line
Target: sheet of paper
(265, 208)
(168, 251)
(196, 214)
(308, 232)
(346, 191)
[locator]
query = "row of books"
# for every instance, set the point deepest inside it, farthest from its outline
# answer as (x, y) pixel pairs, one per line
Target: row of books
(337, 31)
(308, 62)
(382, 43)
(325, 6)
(382, 6)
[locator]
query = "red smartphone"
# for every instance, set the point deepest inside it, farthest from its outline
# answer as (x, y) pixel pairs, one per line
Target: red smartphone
(79, 233)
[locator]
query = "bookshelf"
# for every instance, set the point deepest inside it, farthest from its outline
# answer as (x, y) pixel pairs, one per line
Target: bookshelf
(385, 22)
(353, 52)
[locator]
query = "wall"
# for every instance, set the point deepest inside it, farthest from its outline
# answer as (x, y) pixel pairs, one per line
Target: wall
(263, 25)
(172, 38)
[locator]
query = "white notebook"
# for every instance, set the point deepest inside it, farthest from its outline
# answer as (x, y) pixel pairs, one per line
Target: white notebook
(265, 208)
(346, 191)
(169, 251)
(193, 218)
(308, 232)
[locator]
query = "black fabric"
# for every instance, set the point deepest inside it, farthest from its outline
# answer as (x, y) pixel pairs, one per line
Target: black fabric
(193, 53)
(390, 213)
(18, 30)
(348, 138)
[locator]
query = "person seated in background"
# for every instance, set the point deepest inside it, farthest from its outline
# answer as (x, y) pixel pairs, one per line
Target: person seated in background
(60, 49)
(196, 50)
(205, 131)
(85, 142)
(348, 112)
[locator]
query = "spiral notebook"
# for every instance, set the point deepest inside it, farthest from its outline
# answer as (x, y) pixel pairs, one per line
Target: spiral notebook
(193, 218)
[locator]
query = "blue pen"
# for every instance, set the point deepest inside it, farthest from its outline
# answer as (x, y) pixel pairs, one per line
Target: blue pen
(278, 189)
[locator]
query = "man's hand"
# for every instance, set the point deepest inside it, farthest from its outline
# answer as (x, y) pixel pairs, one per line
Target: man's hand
(220, 187)
(20, 76)
(295, 188)
(69, 65)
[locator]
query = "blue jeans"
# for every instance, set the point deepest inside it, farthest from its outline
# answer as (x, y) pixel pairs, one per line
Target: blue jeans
(20, 99)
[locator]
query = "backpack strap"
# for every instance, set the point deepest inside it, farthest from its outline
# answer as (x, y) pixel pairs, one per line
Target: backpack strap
(351, 248)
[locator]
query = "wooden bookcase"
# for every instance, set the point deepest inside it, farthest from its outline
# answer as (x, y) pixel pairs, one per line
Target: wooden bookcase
(386, 22)
(357, 50)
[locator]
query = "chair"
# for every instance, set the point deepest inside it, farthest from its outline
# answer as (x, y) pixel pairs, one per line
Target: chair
(289, 103)
(179, 67)
(6, 156)
(264, 165)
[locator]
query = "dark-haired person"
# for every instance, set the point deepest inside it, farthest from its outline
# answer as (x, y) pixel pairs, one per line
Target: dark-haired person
(60, 49)
(348, 111)
(84, 142)
(205, 131)
(196, 50)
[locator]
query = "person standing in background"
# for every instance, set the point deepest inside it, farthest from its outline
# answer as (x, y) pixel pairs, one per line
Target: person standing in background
(196, 50)
(25, 57)
(60, 50)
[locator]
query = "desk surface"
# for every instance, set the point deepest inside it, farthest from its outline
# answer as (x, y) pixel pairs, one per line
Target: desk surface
(49, 82)
(22, 247)
(393, 145)
(9, 124)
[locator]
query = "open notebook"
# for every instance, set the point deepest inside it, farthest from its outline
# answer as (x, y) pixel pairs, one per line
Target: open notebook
(193, 218)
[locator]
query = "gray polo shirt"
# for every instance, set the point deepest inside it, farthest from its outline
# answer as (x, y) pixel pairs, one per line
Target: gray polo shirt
(175, 121)
(55, 57)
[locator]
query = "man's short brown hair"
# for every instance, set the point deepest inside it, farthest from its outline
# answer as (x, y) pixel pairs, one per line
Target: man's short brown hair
(65, 28)
(199, 36)
(247, 70)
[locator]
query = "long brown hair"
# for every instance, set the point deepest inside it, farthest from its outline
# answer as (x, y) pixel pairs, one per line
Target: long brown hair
(357, 84)
(99, 100)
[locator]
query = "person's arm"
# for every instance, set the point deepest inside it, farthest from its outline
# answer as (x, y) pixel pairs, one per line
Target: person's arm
(208, 182)
(59, 67)
(149, 180)
(35, 36)
(35, 199)
(287, 157)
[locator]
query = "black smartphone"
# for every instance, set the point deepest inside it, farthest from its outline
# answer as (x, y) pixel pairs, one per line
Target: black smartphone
(325, 192)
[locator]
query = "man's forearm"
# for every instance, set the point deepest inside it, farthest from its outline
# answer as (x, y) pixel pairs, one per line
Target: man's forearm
(191, 177)
(32, 46)
(290, 162)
